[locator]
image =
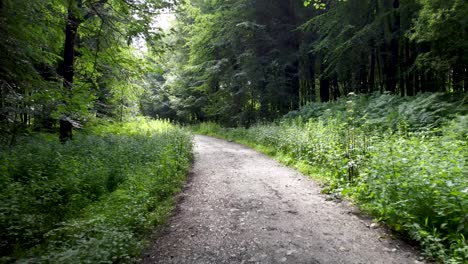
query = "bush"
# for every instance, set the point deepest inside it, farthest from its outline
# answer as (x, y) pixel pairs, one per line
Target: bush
(91, 199)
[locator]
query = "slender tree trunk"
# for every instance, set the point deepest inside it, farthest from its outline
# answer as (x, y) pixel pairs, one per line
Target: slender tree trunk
(24, 118)
(372, 72)
(71, 31)
(402, 69)
(3, 115)
(410, 74)
(305, 78)
(457, 79)
(465, 79)
(336, 93)
(317, 77)
(431, 84)
(364, 84)
(390, 49)
(424, 87)
(390, 64)
(417, 82)
(380, 69)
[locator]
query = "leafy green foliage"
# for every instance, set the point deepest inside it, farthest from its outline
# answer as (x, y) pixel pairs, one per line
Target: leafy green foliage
(418, 184)
(390, 112)
(405, 162)
(92, 199)
(233, 61)
(318, 4)
(241, 61)
(444, 23)
(28, 53)
(105, 77)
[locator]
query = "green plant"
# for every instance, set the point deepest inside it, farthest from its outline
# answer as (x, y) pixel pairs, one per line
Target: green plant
(93, 198)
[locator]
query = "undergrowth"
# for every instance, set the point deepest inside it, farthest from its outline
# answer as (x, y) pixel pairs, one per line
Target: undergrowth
(403, 160)
(92, 199)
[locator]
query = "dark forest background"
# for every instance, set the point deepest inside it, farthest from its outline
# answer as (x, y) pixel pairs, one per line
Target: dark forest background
(242, 61)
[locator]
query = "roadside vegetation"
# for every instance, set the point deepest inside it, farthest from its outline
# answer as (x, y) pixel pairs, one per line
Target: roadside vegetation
(93, 199)
(76, 72)
(404, 160)
(70, 65)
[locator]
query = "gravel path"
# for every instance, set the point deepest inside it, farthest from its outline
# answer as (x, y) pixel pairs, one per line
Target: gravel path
(243, 207)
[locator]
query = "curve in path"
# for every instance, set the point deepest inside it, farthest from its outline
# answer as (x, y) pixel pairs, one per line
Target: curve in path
(243, 207)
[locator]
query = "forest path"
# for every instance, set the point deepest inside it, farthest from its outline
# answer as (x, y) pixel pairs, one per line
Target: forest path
(243, 207)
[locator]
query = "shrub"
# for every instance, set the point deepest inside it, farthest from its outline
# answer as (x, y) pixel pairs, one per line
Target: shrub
(91, 199)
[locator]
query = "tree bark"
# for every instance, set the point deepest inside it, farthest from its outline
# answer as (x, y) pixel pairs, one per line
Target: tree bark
(417, 82)
(324, 90)
(306, 90)
(71, 31)
(465, 79)
(457, 79)
(372, 72)
(364, 83)
(410, 75)
(390, 47)
(65, 130)
(317, 77)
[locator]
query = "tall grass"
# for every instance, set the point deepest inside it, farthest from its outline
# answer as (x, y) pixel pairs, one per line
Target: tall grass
(92, 199)
(405, 161)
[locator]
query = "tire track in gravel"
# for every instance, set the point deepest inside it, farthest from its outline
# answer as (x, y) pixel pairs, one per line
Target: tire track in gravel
(243, 207)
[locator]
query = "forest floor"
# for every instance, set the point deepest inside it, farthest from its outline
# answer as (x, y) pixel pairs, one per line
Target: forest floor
(240, 206)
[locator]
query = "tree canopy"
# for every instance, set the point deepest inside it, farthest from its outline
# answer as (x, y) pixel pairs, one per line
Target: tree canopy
(236, 62)
(74, 60)
(239, 62)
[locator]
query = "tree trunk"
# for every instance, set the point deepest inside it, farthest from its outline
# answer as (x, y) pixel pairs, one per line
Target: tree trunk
(465, 80)
(65, 130)
(390, 48)
(3, 114)
(335, 89)
(380, 71)
(431, 85)
(417, 82)
(410, 76)
(402, 69)
(317, 77)
(71, 31)
(364, 83)
(457, 79)
(306, 90)
(324, 90)
(372, 72)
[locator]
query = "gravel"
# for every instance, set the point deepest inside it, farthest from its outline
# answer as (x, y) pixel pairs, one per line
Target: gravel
(240, 206)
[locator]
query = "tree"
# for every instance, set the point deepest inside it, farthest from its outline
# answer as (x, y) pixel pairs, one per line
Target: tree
(442, 28)
(242, 63)
(71, 60)
(28, 55)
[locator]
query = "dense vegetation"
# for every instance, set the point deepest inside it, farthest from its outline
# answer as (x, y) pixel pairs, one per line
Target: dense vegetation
(91, 200)
(68, 64)
(405, 163)
(241, 61)
(74, 60)
(374, 93)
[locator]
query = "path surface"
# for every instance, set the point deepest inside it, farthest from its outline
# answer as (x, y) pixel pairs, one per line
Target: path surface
(242, 207)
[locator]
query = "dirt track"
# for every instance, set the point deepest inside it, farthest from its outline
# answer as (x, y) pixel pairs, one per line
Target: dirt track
(242, 207)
